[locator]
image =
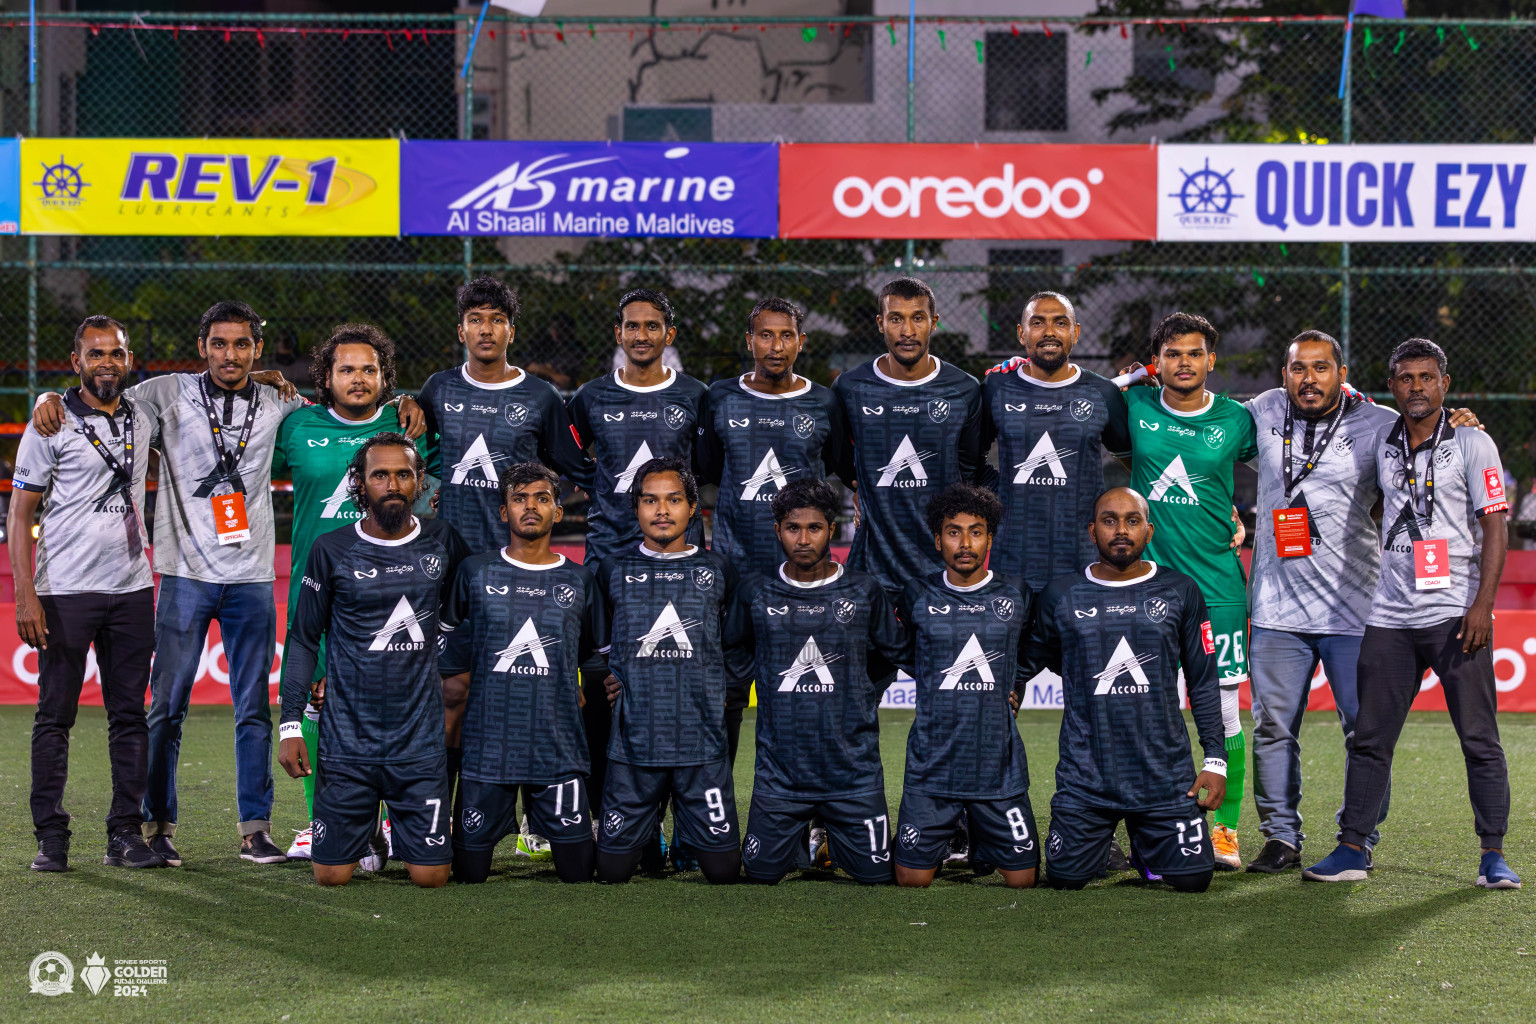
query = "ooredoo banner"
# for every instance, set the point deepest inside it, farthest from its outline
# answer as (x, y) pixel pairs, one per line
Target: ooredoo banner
(1332, 193)
(919, 190)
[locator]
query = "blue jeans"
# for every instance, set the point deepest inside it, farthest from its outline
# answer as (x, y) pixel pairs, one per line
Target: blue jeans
(1281, 665)
(247, 619)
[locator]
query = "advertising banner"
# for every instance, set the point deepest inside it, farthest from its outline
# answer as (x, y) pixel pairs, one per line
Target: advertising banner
(1295, 193)
(613, 189)
(919, 190)
(10, 186)
(344, 187)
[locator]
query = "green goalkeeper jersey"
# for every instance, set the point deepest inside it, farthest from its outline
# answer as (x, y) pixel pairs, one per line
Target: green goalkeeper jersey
(314, 448)
(1182, 464)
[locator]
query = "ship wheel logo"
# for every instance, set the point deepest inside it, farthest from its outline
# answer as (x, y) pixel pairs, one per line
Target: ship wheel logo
(62, 180)
(1206, 196)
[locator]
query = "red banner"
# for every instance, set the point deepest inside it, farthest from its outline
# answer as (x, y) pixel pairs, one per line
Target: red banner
(919, 190)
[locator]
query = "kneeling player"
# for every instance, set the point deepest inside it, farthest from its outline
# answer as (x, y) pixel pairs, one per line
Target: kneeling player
(825, 641)
(1117, 634)
(520, 622)
(373, 593)
(969, 636)
(667, 600)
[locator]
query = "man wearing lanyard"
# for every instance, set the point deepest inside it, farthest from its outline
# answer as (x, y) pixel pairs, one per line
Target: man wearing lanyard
(92, 586)
(1443, 540)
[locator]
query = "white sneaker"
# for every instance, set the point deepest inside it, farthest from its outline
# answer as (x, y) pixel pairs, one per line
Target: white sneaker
(532, 846)
(301, 842)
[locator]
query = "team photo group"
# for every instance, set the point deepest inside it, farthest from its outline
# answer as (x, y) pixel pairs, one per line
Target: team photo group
(451, 682)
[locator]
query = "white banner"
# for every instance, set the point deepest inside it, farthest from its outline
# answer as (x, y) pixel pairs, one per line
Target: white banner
(1331, 193)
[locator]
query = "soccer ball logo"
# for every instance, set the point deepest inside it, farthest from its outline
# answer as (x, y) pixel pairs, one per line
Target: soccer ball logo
(938, 410)
(1002, 607)
(516, 414)
(1344, 445)
(432, 566)
(752, 848)
(909, 836)
(1157, 609)
(1214, 437)
(1081, 409)
(52, 974)
(703, 578)
(805, 425)
(612, 822)
(844, 610)
(1443, 456)
(565, 595)
(473, 819)
(675, 416)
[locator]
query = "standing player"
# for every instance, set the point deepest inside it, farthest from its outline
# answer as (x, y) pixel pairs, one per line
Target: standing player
(824, 639)
(1053, 421)
(915, 424)
(970, 634)
(1118, 633)
(353, 374)
(1184, 440)
(520, 622)
(373, 593)
(667, 602)
(757, 433)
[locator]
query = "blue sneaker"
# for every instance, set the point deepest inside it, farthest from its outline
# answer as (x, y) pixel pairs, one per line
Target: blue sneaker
(1493, 873)
(682, 857)
(1344, 864)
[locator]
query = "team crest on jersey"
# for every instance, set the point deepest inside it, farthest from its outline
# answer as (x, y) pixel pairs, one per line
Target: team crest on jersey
(844, 609)
(516, 414)
(317, 833)
(1215, 437)
(1080, 408)
(565, 595)
(431, 565)
(1003, 607)
(1344, 445)
(938, 410)
(1055, 844)
(751, 848)
(1157, 609)
(805, 424)
(908, 836)
(675, 416)
(703, 577)
(612, 822)
(1443, 456)
(473, 819)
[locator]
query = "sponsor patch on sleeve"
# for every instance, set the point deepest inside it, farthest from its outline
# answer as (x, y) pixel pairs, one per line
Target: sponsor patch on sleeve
(1207, 638)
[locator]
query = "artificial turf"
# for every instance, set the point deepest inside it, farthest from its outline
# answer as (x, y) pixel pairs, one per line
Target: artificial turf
(1418, 942)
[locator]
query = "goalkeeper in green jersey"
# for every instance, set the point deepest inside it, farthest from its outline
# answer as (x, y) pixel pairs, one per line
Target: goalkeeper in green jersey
(353, 373)
(1184, 440)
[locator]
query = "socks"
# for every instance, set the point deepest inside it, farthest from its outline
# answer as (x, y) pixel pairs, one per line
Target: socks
(309, 728)
(1237, 758)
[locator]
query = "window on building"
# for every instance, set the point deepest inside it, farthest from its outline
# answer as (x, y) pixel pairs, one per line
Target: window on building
(1026, 81)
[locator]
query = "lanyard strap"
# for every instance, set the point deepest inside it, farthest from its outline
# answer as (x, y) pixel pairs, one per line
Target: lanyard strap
(1412, 477)
(1315, 455)
(227, 460)
(122, 470)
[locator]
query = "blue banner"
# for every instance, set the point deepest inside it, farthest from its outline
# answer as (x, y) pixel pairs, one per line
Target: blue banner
(613, 189)
(10, 186)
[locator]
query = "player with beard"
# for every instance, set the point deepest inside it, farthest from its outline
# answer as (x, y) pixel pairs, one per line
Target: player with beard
(1184, 440)
(824, 642)
(353, 373)
(373, 593)
(758, 432)
(520, 622)
(1118, 633)
(667, 600)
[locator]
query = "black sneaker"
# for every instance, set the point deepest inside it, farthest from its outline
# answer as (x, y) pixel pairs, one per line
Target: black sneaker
(1277, 856)
(52, 854)
(1116, 860)
(259, 849)
(160, 843)
(127, 849)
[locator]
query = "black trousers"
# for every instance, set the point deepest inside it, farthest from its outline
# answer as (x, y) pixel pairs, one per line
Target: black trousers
(1391, 667)
(122, 628)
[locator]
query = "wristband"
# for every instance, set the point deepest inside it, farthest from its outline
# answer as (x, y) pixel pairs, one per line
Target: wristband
(1216, 766)
(290, 731)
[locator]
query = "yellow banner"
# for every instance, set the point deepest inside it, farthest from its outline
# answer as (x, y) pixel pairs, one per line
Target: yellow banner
(210, 187)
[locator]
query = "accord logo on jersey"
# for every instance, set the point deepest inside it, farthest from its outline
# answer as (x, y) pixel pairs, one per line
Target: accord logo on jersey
(626, 479)
(971, 659)
(1122, 661)
(809, 660)
(668, 624)
(404, 617)
(1175, 476)
(1044, 453)
(529, 642)
(906, 460)
(340, 497)
(769, 471)
(477, 457)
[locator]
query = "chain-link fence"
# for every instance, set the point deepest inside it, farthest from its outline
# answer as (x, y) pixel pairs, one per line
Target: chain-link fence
(845, 78)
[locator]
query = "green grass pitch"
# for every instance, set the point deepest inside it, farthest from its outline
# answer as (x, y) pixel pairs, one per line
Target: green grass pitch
(1418, 942)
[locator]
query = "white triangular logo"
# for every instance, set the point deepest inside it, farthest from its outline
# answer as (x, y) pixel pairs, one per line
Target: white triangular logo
(403, 617)
(810, 659)
(477, 457)
(906, 459)
(1122, 661)
(627, 478)
(1174, 476)
(527, 641)
(1044, 453)
(668, 624)
(972, 659)
(768, 472)
(339, 499)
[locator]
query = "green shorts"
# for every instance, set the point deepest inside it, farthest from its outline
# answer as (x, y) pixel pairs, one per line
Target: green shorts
(1229, 627)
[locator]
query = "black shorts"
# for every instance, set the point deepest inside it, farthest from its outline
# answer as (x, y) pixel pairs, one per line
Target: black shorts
(1167, 841)
(858, 832)
(488, 812)
(1002, 831)
(347, 810)
(703, 806)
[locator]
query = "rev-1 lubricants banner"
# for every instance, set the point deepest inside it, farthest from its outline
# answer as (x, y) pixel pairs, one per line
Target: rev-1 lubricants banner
(210, 187)
(614, 189)
(1331, 193)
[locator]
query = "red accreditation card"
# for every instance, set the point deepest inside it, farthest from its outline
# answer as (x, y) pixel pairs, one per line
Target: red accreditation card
(229, 520)
(1431, 565)
(1293, 532)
